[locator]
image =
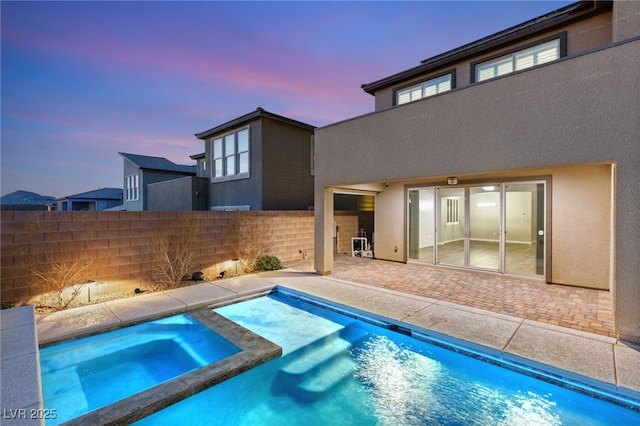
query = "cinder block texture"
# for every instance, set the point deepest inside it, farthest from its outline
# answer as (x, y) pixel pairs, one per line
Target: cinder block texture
(121, 247)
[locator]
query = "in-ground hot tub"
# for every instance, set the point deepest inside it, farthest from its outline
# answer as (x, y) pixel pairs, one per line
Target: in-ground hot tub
(99, 372)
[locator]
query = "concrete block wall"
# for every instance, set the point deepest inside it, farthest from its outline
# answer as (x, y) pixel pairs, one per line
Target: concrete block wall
(121, 244)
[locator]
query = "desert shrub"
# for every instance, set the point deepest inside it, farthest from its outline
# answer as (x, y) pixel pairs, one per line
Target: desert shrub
(173, 255)
(251, 239)
(62, 276)
(269, 263)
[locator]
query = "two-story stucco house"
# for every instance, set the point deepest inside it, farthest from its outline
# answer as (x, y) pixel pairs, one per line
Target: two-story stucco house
(140, 171)
(516, 154)
(259, 161)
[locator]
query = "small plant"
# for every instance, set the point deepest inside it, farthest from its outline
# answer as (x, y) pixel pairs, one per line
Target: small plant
(251, 238)
(174, 256)
(7, 304)
(269, 263)
(62, 276)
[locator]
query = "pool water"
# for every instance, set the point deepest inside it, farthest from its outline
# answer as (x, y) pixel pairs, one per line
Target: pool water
(79, 376)
(338, 370)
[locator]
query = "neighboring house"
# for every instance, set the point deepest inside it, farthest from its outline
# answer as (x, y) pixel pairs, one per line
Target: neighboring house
(259, 161)
(142, 170)
(515, 154)
(97, 200)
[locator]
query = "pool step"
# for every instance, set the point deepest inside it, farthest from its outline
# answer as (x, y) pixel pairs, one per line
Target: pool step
(337, 370)
(321, 367)
(314, 358)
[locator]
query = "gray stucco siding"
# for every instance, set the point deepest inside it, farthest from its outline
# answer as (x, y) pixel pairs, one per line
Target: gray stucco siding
(567, 112)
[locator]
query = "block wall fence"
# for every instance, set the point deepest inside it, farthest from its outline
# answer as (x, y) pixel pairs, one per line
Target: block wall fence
(121, 244)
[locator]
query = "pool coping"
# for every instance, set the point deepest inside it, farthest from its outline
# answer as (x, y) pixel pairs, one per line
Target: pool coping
(556, 351)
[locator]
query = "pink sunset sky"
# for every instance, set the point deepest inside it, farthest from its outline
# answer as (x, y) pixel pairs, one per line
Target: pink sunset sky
(82, 81)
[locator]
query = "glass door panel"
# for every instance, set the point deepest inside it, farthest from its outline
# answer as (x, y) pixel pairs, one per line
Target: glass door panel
(484, 227)
(421, 224)
(451, 229)
(524, 226)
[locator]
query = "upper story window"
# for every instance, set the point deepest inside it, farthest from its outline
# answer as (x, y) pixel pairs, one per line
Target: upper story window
(131, 188)
(520, 59)
(201, 167)
(425, 89)
(231, 155)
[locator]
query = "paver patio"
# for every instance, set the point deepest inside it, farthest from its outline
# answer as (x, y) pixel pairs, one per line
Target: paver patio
(573, 307)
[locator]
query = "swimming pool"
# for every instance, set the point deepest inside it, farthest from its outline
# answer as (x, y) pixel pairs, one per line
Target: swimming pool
(341, 370)
(80, 376)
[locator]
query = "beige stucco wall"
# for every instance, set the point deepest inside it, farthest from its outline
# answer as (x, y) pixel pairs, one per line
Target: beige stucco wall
(581, 247)
(390, 224)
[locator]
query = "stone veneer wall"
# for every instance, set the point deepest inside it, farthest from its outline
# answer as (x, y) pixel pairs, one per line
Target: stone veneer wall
(121, 244)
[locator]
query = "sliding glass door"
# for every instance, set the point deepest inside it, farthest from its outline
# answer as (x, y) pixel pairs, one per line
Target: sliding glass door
(421, 220)
(524, 228)
(451, 229)
(484, 226)
(498, 227)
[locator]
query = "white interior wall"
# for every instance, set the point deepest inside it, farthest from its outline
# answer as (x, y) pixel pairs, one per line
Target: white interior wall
(426, 220)
(520, 217)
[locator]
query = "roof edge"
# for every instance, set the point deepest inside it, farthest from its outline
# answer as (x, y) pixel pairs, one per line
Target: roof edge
(259, 112)
(160, 169)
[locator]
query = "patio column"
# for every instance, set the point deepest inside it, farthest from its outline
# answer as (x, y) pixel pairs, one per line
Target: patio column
(626, 290)
(323, 235)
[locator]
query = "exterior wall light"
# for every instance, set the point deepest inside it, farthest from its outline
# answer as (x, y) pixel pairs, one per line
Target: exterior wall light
(452, 180)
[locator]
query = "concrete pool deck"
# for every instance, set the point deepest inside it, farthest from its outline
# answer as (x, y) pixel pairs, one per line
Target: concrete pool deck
(585, 358)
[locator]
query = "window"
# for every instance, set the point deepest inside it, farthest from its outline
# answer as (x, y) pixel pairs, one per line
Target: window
(519, 60)
(231, 155)
(131, 186)
(217, 158)
(423, 90)
(243, 151)
(453, 215)
(202, 167)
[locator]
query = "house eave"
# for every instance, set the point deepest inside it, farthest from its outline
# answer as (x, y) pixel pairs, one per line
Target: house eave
(259, 112)
(160, 169)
